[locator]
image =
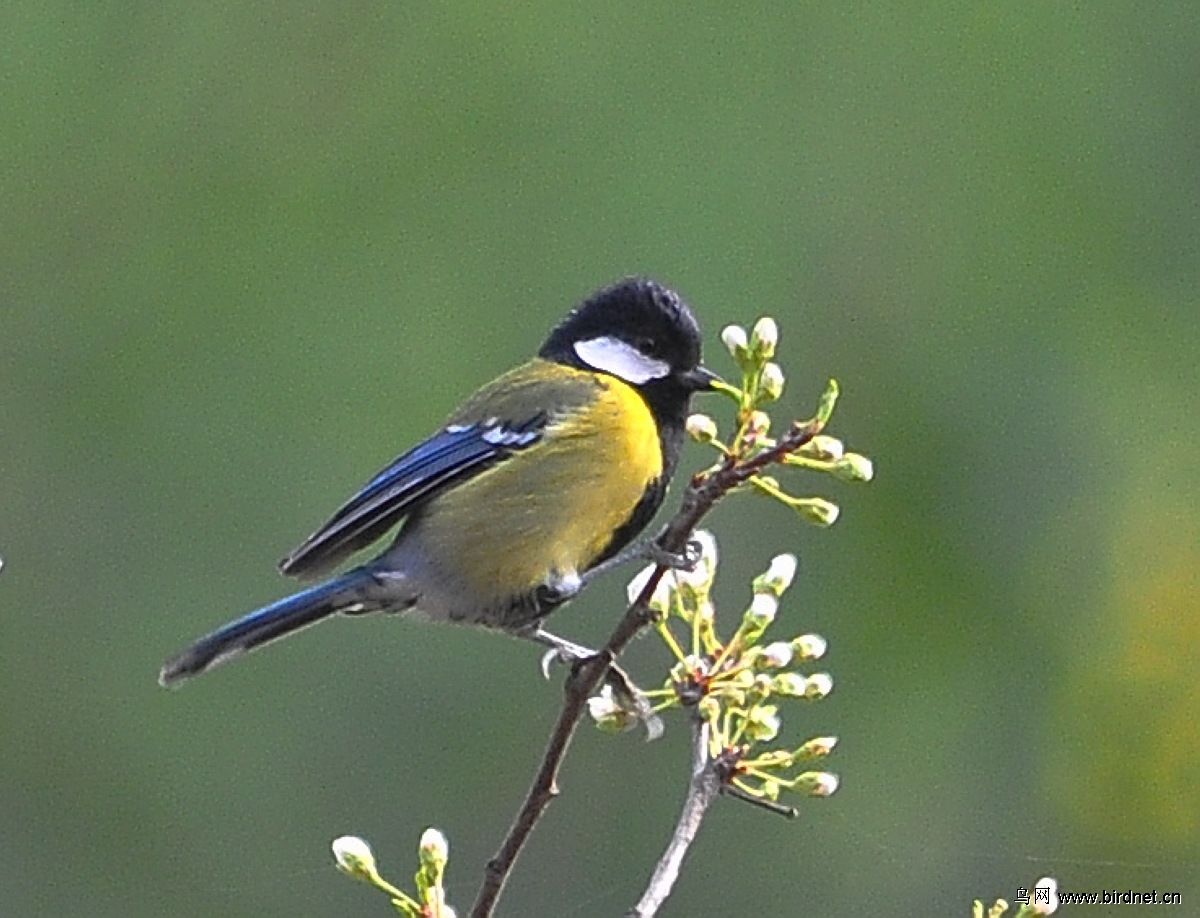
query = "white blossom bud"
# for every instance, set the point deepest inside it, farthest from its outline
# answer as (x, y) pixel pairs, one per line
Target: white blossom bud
(791, 685)
(823, 447)
(854, 467)
(778, 577)
(734, 338)
(817, 748)
(608, 713)
(702, 428)
(809, 647)
(775, 656)
(771, 381)
(762, 610)
(434, 849)
(762, 724)
(758, 424)
(354, 858)
(818, 685)
(661, 600)
(765, 337)
(817, 783)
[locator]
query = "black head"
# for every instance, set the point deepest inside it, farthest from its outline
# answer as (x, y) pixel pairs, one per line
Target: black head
(642, 333)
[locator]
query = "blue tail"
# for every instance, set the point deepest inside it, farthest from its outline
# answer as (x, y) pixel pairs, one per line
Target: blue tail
(347, 593)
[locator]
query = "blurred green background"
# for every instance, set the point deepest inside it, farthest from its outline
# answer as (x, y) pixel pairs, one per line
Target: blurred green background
(251, 251)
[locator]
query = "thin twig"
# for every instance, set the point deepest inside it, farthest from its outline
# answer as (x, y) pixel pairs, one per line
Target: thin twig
(703, 788)
(703, 493)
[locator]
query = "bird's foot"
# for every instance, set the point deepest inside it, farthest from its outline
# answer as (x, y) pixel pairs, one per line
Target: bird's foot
(624, 689)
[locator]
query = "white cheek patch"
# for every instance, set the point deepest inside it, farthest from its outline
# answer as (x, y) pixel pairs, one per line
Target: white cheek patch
(621, 359)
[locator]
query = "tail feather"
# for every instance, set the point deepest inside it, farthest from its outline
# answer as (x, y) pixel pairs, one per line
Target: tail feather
(342, 594)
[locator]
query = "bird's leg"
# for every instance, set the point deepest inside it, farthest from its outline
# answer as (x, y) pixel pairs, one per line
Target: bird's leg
(649, 550)
(625, 689)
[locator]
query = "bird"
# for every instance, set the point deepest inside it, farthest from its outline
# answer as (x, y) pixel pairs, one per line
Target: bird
(540, 481)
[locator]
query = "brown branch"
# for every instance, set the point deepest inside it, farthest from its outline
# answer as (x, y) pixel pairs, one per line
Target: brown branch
(703, 788)
(703, 493)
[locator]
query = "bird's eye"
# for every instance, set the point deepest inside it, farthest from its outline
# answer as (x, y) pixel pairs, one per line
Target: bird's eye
(646, 345)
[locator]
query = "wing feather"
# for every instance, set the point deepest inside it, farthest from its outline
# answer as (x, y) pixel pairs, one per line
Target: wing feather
(456, 452)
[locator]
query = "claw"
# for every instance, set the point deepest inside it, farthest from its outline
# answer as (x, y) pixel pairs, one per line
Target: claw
(630, 696)
(549, 658)
(685, 560)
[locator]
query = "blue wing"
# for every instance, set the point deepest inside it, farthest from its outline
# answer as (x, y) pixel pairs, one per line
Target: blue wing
(456, 452)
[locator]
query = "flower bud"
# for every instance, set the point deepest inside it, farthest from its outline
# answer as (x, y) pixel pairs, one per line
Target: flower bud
(660, 601)
(823, 447)
(775, 656)
(709, 709)
(778, 577)
(760, 689)
(758, 424)
(817, 748)
(774, 758)
(764, 338)
(818, 685)
(771, 381)
(817, 783)
(809, 647)
(761, 612)
(854, 467)
(762, 723)
(818, 510)
(791, 685)
(734, 339)
(434, 850)
(609, 714)
(702, 428)
(355, 858)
